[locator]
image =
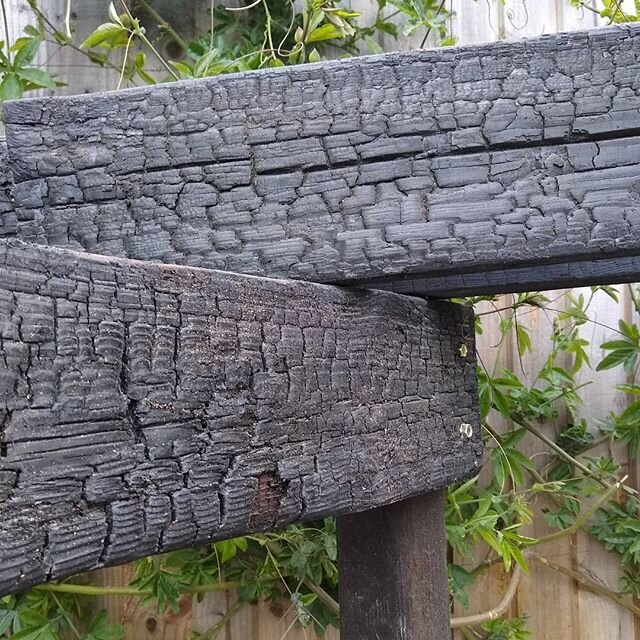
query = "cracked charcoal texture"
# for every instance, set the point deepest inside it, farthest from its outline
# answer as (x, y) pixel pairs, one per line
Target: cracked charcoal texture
(7, 212)
(146, 407)
(405, 170)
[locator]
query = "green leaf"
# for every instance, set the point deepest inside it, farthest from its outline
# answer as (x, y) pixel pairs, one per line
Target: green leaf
(183, 69)
(523, 338)
(44, 631)
(612, 360)
(500, 402)
(629, 330)
(100, 629)
(315, 21)
(624, 345)
(8, 615)
(38, 77)
(511, 438)
(314, 56)
(331, 547)
(149, 79)
(227, 549)
(113, 14)
(325, 32)
(104, 33)
(342, 12)
(459, 580)
(308, 599)
(10, 87)
(30, 30)
(512, 629)
(519, 558)
(26, 49)
(166, 589)
(632, 389)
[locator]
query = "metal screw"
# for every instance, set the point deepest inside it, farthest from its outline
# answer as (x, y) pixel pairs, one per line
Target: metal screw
(466, 430)
(463, 350)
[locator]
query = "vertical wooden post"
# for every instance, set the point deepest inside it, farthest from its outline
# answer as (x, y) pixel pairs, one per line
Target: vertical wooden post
(393, 574)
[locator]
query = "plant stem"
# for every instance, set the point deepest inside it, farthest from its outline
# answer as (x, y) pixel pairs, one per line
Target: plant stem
(275, 550)
(497, 611)
(90, 590)
(426, 35)
(6, 29)
(586, 582)
(65, 614)
(124, 59)
(212, 632)
(162, 61)
(44, 20)
(164, 25)
(577, 525)
(582, 520)
(323, 596)
(146, 40)
(213, 22)
(466, 632)
(584, 5)
(106, 63)
(589, 584)
(559, 450)
(67, 20)
(267, 30)
(592, 445)
(634, 298)
(214, 586)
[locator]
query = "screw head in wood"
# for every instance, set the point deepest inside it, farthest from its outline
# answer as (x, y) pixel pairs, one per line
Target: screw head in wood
(466, 430)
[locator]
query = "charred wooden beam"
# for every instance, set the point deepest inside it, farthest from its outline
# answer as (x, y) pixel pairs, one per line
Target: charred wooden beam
(429, 166)
(7, 210)
(146, 407)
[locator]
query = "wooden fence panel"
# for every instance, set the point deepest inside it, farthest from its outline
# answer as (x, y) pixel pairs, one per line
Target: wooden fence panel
(599, 618)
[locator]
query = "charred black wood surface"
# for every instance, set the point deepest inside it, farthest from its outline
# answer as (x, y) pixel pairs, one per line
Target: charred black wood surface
(8, 220)
(427, 166)
(146, 407)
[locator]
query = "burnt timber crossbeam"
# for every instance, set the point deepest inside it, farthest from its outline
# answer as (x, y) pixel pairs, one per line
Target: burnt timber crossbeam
(485, 168)
(503, 167)
(147, 407)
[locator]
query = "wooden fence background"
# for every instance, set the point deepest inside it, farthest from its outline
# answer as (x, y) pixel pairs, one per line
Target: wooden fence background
(557, 607)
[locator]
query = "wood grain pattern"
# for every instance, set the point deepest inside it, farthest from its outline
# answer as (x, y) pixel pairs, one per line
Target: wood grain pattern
(147, 407)
(424, 164)
(393, 571)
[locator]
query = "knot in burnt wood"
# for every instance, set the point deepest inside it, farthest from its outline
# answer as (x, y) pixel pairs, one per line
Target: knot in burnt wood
(266, 503)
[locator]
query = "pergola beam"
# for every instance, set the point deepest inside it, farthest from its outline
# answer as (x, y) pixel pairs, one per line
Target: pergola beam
(485, 168)
(145, 407)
